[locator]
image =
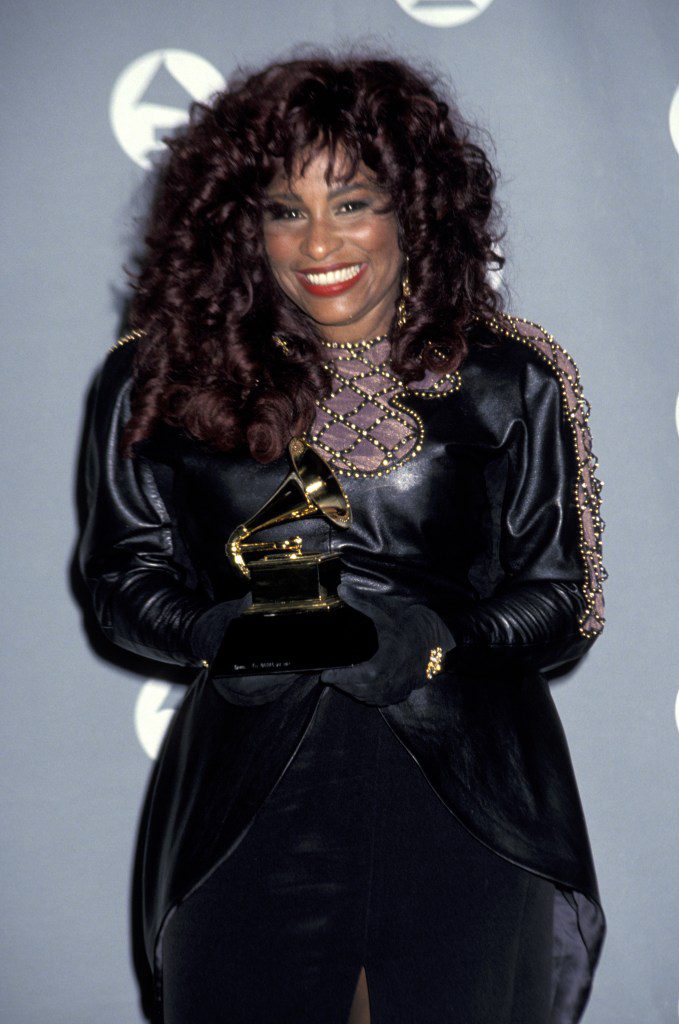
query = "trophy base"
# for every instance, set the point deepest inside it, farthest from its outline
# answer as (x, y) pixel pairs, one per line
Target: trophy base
(295, 640)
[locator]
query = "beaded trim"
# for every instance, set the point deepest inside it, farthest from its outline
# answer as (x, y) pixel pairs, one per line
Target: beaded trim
(588, 486)
(383, 395)
(353, 347)
(130, 336)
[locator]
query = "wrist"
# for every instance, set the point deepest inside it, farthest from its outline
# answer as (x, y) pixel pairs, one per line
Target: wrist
(208, 628)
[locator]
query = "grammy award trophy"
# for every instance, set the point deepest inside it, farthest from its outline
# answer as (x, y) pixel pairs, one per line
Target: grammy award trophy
(297, 621)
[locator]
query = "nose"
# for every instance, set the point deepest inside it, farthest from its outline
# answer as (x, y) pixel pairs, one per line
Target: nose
(320, 239)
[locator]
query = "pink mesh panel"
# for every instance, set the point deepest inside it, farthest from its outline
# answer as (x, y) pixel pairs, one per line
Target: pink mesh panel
(361, 428)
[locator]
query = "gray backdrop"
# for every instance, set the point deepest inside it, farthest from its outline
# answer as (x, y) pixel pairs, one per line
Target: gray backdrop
(578, 97)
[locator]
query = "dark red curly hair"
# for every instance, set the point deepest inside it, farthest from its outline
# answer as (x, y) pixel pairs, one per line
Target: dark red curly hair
(205, 296)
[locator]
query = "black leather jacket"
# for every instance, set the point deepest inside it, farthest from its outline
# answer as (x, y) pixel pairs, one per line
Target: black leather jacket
(490, 525)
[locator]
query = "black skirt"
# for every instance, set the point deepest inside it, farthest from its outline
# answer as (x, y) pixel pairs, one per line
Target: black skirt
(354, 860)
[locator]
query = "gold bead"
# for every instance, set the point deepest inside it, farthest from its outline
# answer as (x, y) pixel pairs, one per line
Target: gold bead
(435, 662)
(130, 336)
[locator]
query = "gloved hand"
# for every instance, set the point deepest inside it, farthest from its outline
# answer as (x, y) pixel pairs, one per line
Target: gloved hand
(408, 635)
(209, 628)
(206, 637)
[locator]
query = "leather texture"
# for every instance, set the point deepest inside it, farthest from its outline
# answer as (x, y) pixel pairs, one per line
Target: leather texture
(482, 527)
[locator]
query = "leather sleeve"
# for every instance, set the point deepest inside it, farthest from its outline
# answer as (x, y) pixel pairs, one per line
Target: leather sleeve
(533, 619)
(127, 549)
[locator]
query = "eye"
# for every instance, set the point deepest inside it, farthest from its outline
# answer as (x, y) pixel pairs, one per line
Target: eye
(352, 205)
(277, 211)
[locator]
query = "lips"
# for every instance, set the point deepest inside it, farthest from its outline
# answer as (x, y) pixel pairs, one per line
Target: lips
(331, 280)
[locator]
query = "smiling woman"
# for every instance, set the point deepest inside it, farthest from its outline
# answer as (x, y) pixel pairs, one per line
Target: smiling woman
(238, 222)
(337, 258)
(396, 839)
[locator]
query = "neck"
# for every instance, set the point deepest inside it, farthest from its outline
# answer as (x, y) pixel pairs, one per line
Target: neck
(375, 325)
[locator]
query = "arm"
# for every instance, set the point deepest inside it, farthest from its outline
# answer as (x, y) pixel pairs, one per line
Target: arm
(128, 554)
(547, 610)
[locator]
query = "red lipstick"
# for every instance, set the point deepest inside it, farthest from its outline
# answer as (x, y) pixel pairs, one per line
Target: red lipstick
(336, 287)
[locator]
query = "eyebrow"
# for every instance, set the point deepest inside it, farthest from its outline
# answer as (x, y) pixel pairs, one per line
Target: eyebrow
(341, 190)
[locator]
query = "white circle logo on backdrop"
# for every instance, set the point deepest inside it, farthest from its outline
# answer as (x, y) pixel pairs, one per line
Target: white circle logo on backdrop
(494, 276)
(444, 13)
(152, 96)
(153, 711)
(674, 120)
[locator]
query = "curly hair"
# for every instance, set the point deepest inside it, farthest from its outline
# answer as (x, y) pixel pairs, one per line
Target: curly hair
(205, 297)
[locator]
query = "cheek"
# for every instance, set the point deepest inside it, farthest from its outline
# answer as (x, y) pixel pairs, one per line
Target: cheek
(277, 251)
(380, 236)
(277, 247)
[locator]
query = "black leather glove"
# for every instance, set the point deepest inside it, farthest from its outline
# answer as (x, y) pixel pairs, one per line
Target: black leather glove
(412, 638)
(206, 636)
(209, 627)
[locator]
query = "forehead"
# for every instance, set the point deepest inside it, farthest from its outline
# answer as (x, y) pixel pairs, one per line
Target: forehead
(313, 168)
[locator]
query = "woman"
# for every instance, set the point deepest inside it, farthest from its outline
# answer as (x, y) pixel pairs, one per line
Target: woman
(399, 839)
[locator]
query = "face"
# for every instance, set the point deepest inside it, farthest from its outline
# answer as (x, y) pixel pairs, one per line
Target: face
(332, 252)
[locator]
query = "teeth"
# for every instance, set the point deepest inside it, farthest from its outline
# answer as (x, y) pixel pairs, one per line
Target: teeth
(334, 276)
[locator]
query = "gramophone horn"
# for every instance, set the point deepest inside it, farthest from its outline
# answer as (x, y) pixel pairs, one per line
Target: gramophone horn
(310, 489)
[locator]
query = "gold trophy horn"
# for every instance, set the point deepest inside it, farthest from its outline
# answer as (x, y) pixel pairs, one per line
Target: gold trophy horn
(310, 489)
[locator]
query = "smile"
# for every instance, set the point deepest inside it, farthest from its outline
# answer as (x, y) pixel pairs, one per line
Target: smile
(331, 282)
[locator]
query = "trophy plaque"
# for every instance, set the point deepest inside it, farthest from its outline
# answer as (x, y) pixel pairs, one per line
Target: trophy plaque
(297, 622)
